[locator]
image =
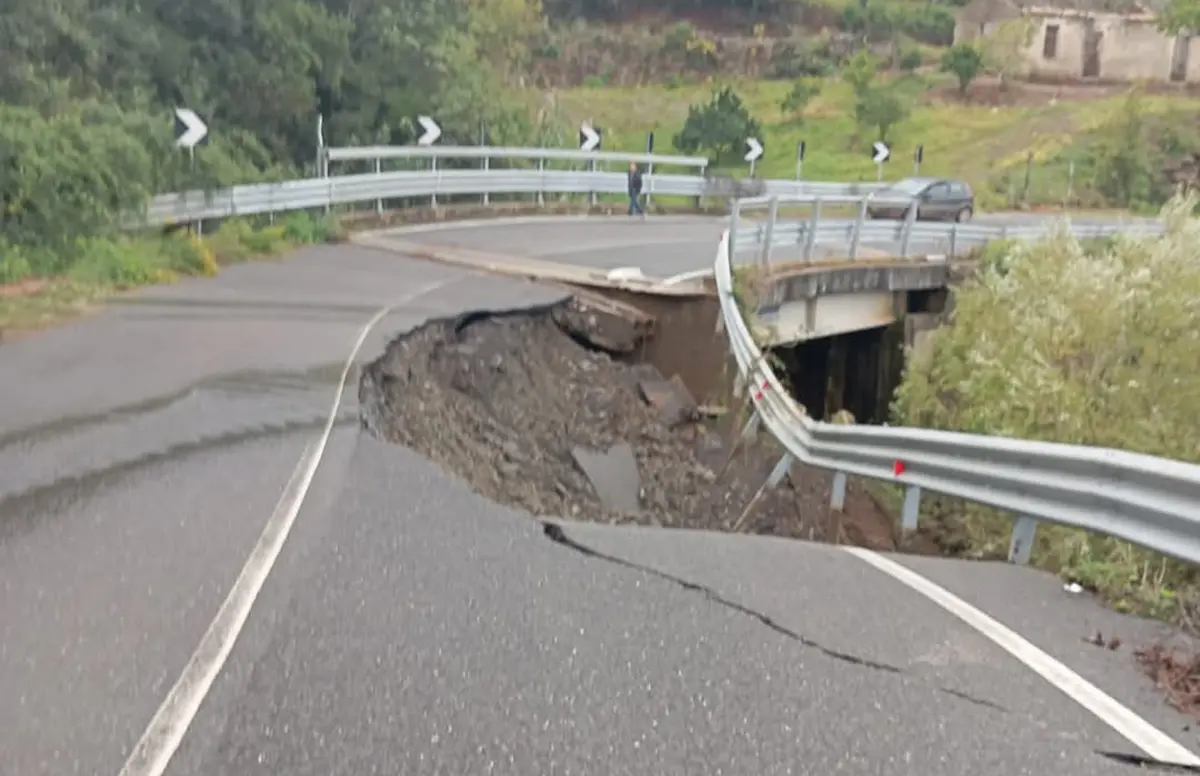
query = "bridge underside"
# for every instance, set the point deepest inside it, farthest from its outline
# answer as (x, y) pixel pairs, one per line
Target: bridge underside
(846, 351)
(801, 320)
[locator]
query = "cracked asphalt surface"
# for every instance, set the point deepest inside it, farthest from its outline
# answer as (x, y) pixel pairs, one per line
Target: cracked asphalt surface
(409, 626)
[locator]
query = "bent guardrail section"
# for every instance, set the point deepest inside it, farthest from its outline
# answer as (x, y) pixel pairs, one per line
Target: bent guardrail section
(1152, 502)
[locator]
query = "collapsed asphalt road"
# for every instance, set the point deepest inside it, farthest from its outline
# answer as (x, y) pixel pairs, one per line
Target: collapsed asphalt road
(535, 410)
(410, 625)
(535, 419)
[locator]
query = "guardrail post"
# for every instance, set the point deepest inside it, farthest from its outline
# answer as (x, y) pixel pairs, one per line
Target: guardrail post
(777, 474)
(487, 165)
(1021, 546)
(837, 492)
(592, 193)
(649, 183)
(751, 427)
(541, 199)
(379, 202)
(433, 168)
(735, 218)
(858, 227)
(813, 223)
(764, 256)
(911, 509)
(953, 240)
(910, 219)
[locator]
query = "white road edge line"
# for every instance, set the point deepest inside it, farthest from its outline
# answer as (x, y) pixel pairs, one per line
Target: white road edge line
(1136, 730)
(164, 734)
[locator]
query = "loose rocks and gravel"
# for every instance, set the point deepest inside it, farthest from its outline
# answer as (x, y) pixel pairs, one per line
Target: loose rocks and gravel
(519, 405)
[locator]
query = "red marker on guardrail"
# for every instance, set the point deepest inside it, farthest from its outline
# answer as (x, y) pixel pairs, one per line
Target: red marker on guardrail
(762, 390)
(897, 468)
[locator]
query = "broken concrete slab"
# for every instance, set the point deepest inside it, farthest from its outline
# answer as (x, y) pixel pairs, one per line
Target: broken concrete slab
(614, 476)
(671, 398)
(604, 326)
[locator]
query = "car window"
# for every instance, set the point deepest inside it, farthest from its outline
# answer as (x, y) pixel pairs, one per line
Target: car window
(959, 190)
(939, 191)
(908, 187)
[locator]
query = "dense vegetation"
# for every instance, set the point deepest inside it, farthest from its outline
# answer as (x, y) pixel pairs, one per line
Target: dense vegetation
(88, 89)
(1087, 344)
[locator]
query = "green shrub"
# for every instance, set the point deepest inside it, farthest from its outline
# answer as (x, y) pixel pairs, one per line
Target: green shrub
(123, 263)
(926, 23)
(14, 264)
(1083, 344)
(187, 254)
(266, 242)
(910, 59)
(800, 60)
(994, 255)
(228, 243)
(306, 229)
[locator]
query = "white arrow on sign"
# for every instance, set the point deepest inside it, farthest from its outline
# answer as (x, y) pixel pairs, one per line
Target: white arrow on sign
(190, 129)
(754, 149)
(432, 131)
(588, 137)
(882, 152)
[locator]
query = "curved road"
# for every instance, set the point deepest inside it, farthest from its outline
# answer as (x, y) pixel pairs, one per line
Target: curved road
(183, 469)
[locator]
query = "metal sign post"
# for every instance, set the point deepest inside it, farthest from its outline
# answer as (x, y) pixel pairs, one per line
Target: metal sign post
(918, 157)
(754, 152)
(190, 131)
(799, 160)
(649, 166)
(879, 154)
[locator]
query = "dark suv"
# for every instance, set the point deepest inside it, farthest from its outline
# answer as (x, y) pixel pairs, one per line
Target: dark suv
(939, 200)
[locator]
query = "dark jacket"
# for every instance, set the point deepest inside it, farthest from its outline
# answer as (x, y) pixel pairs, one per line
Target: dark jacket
(635, 182)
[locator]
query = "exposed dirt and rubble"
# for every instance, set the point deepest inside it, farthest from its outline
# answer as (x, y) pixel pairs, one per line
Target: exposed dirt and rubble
(550, 411)
(547, 410)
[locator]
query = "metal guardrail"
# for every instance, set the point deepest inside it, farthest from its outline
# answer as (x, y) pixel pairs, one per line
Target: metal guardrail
(373, 153)
(904, 238)
(378, 186)
(912, 237)
(1152, 502)
(314, 193)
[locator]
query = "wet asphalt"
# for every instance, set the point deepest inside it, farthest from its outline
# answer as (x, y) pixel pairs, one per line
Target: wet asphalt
(410, 626)
(667, 245)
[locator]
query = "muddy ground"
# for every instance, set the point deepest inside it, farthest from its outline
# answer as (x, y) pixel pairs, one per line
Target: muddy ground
(509, 401)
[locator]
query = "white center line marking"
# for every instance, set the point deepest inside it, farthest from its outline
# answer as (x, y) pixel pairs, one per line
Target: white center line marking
(1136, 730)
(170, 723)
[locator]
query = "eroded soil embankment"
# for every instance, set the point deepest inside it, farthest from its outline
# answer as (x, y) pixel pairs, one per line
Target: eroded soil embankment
(515, 405)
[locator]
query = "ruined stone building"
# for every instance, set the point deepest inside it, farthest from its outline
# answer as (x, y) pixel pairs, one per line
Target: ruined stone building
(1089, 40)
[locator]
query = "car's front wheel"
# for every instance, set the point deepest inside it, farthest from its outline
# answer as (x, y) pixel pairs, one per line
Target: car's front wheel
(964, 215)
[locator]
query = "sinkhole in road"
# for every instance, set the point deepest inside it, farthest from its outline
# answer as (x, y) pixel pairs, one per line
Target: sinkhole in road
(613, 409)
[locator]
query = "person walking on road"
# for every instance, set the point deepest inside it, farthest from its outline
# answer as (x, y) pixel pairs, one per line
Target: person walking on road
(635, 190)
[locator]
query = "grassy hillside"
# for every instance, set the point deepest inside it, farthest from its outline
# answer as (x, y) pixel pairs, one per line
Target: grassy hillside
(985, 144)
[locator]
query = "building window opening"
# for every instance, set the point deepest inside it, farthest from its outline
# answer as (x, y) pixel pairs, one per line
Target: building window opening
(1050, 42)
